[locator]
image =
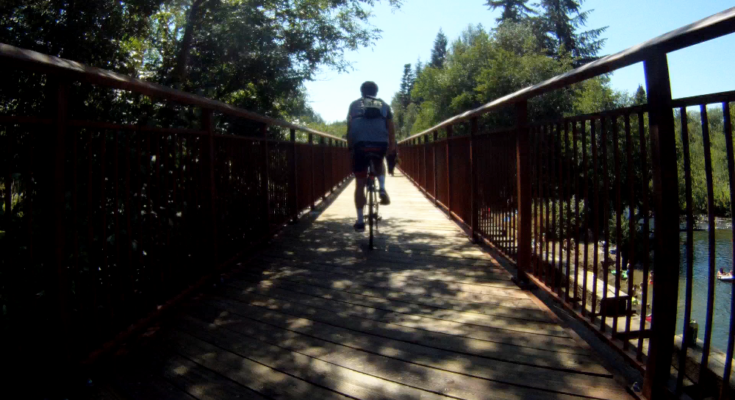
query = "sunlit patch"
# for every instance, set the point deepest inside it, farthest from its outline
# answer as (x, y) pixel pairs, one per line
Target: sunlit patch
(181, 370)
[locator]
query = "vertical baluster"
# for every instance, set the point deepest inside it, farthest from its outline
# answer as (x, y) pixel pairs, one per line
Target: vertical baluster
(555, 202)
(115, 275)
(448, 166)
(548, 153)
(294, 169)
(585, 258)
(523, 186)
(712, 271)
(473, 179)
(208, 126)
(726, 389)
(59, 270)
(686, 337)
(266, 176)
(618, 220)
(631, 226)
(538, 206)
(568, 203)
(311, 152)
(596, 217)
(575, 232)
(436, 173)
(605, 218)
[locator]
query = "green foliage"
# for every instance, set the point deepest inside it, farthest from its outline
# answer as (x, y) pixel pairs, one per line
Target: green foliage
(250, 53)
(482, 66)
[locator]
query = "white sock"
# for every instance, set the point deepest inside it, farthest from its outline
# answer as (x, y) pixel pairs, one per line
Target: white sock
(360, 216)
(381, 180)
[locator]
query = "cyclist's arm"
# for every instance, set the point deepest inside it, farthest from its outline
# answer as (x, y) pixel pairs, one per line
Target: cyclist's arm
(391, 136)
(348, 136)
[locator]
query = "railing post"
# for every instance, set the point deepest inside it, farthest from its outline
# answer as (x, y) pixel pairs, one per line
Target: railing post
(313, 194)
(433, 145)
(523, 176)
(666, 227)
(294, 176)
(449, 174)
(473, 179)
(208, 126)
(266, 176)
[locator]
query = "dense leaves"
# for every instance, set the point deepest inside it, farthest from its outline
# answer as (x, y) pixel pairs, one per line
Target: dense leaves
(251, 53)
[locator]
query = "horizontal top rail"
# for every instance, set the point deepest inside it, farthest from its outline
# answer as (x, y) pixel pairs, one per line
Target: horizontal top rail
(12, 56)
(709, 28)
(704, 99)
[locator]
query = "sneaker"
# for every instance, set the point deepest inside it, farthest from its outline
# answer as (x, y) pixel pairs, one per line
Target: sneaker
(359, 227)
(384, 199)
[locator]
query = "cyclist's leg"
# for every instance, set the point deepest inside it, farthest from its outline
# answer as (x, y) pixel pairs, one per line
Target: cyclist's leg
(380, 173)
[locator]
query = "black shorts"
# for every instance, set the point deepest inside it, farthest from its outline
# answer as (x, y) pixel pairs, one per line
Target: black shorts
(361, 159)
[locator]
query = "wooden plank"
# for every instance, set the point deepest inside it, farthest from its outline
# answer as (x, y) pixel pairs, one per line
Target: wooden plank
(394, 281)
(256, 376)
(196, 380)
(320, 371)
(408, 364)
(494, 307)
(359, 253)
(476, 324)
(550, 352)
(430, 271)
(410, 308)
(481, 300)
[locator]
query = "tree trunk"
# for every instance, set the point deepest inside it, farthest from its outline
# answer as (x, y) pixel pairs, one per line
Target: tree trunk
(182, 59)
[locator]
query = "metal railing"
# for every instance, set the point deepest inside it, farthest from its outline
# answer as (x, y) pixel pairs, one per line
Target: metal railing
(106, 222)
(586, 207)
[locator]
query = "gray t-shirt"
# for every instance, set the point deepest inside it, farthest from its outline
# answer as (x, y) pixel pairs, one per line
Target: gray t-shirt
(368, 117)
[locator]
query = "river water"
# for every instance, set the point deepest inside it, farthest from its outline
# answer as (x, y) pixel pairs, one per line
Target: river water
(723, 290)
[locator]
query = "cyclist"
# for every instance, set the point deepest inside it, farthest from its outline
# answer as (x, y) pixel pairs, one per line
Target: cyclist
(369, 125)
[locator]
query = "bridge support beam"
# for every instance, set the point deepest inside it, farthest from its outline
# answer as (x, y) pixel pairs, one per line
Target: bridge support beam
(666, 227)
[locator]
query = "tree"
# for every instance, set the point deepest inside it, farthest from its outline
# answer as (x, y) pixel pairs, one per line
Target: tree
(439, 52)
(561, 24)
(513, 10)
(404, 93)
(640, 96)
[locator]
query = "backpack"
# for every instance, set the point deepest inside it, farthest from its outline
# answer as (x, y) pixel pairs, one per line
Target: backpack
(372, 107)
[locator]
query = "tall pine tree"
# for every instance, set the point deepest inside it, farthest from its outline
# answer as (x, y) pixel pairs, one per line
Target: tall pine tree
(562, 19)
(513, 10)
(439, 52)
(406, 85)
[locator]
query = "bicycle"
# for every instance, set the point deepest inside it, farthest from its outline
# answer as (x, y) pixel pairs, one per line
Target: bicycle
(371, 194)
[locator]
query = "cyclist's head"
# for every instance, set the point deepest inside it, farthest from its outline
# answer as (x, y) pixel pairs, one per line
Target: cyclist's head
(369, 88)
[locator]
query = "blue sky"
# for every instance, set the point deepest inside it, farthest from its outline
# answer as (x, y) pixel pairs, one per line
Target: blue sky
(408, 34)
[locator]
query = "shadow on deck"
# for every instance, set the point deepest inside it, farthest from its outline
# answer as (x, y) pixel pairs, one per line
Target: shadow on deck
(317, 316)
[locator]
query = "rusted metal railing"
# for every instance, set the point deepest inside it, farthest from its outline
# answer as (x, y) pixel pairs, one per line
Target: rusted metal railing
(105, 222)
(586, 207)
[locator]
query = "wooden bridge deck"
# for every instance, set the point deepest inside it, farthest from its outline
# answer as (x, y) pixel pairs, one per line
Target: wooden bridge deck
(316, 316)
